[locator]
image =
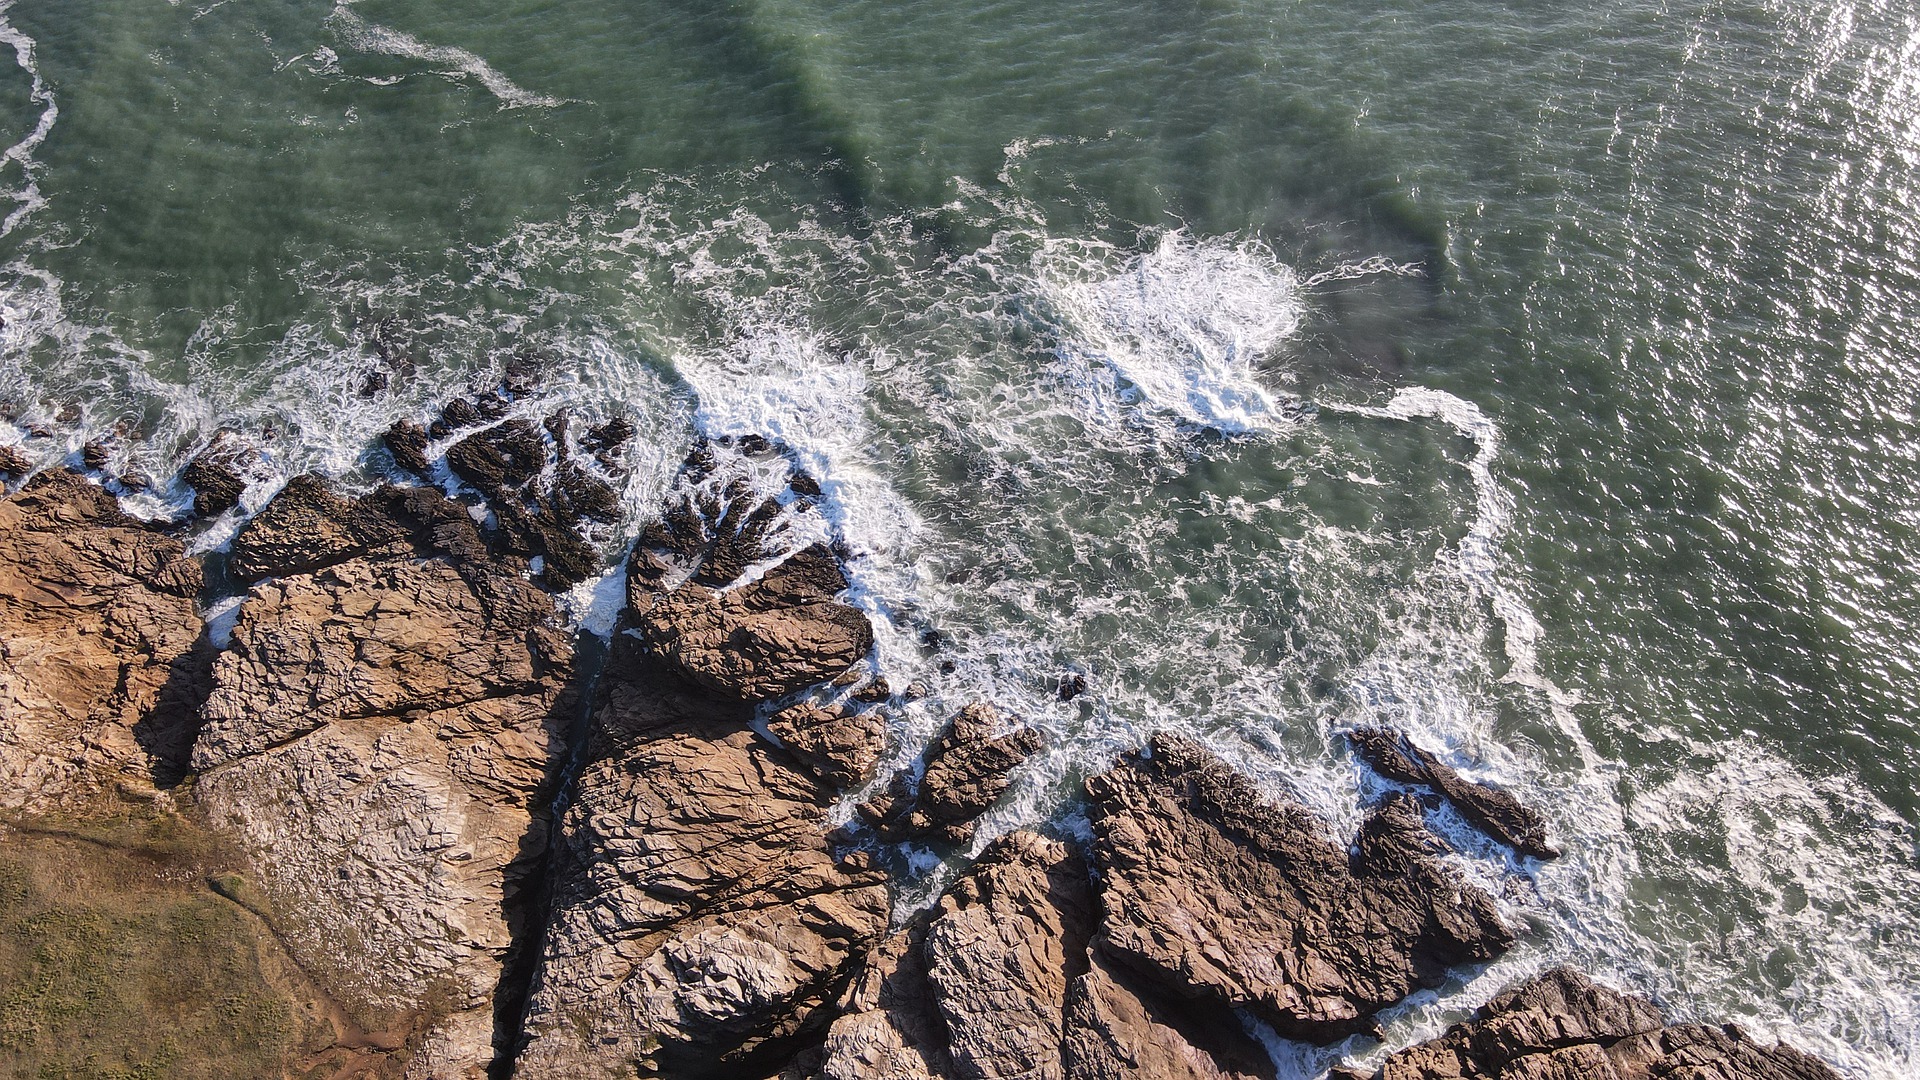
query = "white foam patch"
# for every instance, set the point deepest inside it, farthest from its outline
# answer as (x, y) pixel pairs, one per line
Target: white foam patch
(27, 196)
(357, 33)
(1186, 326)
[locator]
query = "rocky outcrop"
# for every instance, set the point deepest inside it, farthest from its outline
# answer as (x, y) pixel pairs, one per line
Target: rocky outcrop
(839, 745)
(1211, 892)
(1000, 980)
(1493, 811)
(381, 738)
(101, 648)
(701, 926)
(967, 769)
(1561, 1026)
(219, 474)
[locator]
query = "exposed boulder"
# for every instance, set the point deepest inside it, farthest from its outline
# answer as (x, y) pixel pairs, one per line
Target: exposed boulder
(218, 474)
(701, 926)
(1562, 1025)
(967, 769)
(839, 745)
(1211, 892)
(382, 739)
(13, 462)
(1493, 811)
(102, 653)
(407, 441)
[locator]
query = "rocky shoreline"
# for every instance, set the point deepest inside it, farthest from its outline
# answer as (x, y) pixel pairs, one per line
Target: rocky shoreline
(505, 851)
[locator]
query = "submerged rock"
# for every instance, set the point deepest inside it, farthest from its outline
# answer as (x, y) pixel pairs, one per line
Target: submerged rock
(102, 653)
(1562, 1025)
(1211, 892)
(381, 739)
(1493, 811)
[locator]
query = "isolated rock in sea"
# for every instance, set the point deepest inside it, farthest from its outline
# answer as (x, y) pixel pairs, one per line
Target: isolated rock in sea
(968, 767)
(701, 927)
(217, 474)
(14, 463)
(1561, 1026)
(839, 745)
(998, 982)
(381, 739)
(1493, 811)
(102, 653)
(1211, 892)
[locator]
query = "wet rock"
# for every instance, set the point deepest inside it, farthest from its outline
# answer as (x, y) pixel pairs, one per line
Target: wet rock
(13, 462)
(701, 926)
(500, 460)
(967, 769)
(1271, 914)
(840, 747)
(216, 475)
(407, 441)
(97, 454)
(1563, 1025)
(1493, 811)
(380, 740)
(99, 664)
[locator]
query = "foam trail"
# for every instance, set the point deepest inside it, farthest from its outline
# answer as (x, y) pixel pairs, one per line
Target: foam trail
(21, 153)
(360, 34)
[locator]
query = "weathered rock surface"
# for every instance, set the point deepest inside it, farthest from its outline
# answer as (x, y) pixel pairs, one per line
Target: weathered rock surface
(218, 474)
(999, 981)
(701, 926)
(1493, 811)
(1211, 892)
(1561, 1026)
(99, 666)
(967, 769)
(840, 746)
(381, 738)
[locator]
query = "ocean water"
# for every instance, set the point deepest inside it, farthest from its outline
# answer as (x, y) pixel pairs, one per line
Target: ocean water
(1539, 378)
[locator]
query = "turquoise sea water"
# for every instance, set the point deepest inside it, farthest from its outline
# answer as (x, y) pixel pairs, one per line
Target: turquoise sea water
(1537, 377)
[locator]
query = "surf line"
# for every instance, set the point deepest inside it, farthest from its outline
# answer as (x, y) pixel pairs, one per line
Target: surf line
(21, 153)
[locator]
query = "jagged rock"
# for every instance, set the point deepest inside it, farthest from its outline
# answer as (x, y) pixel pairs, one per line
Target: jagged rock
(13, 462)
(998, 982)
(1561, 1025)
(381, 740)
(215, 475)
(407, 441)
(1495, 812)
(500, 460)
(841, 747)
(1213, 893)
(99, 663)
(968, 768)
(700, 925)
(771, 637)
(97, 454)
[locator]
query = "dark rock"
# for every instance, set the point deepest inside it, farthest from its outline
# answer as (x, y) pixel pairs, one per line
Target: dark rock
(458, 413)
(1072, 685)
(407, 441)
(501, 460)
(309, 525)
(215, 475)
(1273, 916)
(96, 454)
(1495, 812)
(874, 692)
(13, 462)
(1561, 1025)
(841, 747)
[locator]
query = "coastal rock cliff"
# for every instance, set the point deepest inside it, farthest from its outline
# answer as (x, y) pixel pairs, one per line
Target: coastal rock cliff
(380, 739)
(101, 648)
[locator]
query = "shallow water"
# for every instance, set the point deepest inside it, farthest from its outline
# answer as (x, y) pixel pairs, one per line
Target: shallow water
(1536, 377)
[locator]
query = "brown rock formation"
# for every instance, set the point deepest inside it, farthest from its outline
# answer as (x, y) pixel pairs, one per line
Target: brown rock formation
(700, 927)
(1493, 811)
(840, 746)
(217, 475)
(381, 739)
(1211, 892)
(968, 768)
(999, 981)
(1561, 1026)
(99, 668)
